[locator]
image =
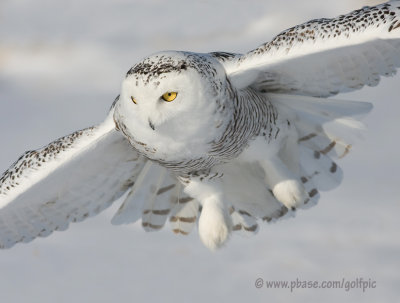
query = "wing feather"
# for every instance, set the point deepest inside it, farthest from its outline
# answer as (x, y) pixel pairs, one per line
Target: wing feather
(324, 57)
(69, 180)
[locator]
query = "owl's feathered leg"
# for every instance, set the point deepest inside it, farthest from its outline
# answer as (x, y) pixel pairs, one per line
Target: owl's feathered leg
(282, 171)
(215, 223)
(285, 186)
(280, 161)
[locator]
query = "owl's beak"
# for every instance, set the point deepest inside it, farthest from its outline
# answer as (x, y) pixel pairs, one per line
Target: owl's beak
(151, 125)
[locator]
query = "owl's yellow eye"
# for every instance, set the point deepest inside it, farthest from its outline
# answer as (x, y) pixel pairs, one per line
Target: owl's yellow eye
(169, 96)
(133, 100)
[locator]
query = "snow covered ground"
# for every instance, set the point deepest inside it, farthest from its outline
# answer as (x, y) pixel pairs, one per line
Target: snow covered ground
(61, 63)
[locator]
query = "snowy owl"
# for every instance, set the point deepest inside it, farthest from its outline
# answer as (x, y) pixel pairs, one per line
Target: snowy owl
(218, 140)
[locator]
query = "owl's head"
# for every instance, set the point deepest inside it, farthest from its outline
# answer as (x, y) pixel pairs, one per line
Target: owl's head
(177, 94)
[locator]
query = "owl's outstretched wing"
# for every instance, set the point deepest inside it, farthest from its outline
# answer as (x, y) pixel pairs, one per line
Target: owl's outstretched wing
(324, 57)
(70, 179)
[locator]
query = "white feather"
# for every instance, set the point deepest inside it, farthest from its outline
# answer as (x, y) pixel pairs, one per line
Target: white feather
(184, 213)
(325, 56)
(132, 206)
(38, 194)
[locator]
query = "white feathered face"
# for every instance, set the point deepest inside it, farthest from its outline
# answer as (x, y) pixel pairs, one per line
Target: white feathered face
(173, 98)
(163, 98)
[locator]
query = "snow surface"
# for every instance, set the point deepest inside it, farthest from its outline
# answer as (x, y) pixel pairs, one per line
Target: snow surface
(61, 64)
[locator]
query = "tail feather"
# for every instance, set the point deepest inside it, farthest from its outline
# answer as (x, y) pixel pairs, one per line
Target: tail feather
(244, 223)
(312, 190)
(335, 139)
(155, 210)
(184, 213)
(325, 125)
(319, 168)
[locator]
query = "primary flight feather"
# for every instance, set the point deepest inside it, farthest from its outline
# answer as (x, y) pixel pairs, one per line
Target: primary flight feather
(219, 139)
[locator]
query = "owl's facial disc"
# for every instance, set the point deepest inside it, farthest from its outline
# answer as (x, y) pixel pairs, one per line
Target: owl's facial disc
(162, 102)
(168, 96)
(173, 95)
